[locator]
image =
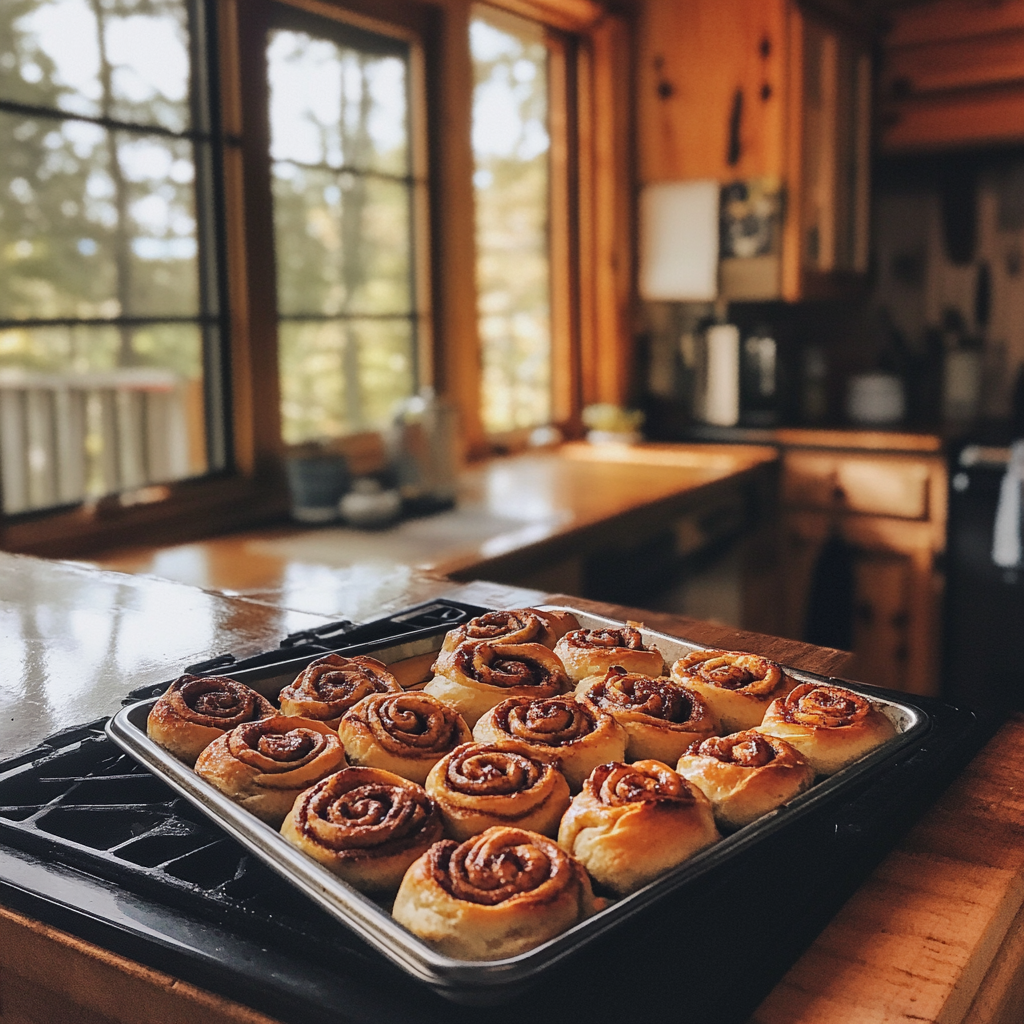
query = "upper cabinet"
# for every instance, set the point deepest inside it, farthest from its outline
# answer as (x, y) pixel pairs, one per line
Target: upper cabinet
(953, 76)
(765, 89)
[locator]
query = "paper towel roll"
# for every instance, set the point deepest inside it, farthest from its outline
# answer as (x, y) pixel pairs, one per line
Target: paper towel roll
(722, 377)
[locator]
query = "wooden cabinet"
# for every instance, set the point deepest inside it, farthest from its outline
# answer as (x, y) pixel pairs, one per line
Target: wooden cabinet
(952, 76)
(891, 509)
(740, 89)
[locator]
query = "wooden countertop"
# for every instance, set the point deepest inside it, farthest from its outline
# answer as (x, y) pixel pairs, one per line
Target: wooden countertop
(935, 934)
(528, 508)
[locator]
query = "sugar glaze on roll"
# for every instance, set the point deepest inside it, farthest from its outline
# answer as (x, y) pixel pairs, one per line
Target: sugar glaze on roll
(591, 652)
(831, 726)
(633, 822)
(661, 717)
(493, 896)
(745, 775)
(738, 687)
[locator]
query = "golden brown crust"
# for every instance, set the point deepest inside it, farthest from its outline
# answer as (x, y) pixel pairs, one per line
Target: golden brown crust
(265, 765)
(632, 823)
(365, 825)
(829, 725)
(404, 733)
(479, 785)
(195, 710)
(476, 676)
(556, 727)
(513, 626)
(745, 775)
(494, 896)
(591, 652)
(661, 717)
(329, 686)
(738, 687)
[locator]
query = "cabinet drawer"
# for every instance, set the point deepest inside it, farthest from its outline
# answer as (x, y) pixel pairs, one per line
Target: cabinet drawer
(871, 485)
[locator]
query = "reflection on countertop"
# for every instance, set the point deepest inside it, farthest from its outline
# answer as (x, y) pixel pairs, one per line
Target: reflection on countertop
(505, 506)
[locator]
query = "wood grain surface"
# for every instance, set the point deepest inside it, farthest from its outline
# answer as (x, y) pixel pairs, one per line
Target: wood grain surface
(50, 977)
(936, 933)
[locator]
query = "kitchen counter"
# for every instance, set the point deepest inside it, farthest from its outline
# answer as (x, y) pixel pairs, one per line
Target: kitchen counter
(852, 438)
(526, 518)
(936, 933)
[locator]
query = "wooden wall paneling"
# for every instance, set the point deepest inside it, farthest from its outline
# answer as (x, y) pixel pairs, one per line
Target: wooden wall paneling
(611, 336)
(586, 221)
(564, 254)
(792, 227)
(969, 118)
(953, 19)
(453, 228)
(260, 309)
(968, 62)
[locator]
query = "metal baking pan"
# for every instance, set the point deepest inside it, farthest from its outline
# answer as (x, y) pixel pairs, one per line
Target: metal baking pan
(484, 982)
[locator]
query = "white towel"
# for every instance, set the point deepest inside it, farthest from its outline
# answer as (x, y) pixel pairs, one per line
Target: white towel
(1006, 539)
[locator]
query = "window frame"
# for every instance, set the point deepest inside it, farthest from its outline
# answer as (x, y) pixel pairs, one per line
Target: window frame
(591, 295)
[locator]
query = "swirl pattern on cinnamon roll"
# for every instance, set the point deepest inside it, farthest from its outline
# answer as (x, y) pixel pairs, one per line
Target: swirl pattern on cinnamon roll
(661, 717)
(577, 736)
(493, 896)
(633, 822)
(591, 652)
(265, 765)
(194, 710)
(476, 676)
(745, 775)
(829, 725)
(738, 687)
(404, 733)
(513, 626)
(329, 686)
(479, 785)
(365, 825)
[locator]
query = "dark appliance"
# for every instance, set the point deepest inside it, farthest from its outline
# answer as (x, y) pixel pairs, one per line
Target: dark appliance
(984, 606)
(93, 843)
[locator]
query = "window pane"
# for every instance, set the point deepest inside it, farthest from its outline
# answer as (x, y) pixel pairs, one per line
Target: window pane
(59, 54)
(512, 184)
(341, 376)
(343, 231)
(342, 242)
(335, 105)
(76, 424)
(96, 223)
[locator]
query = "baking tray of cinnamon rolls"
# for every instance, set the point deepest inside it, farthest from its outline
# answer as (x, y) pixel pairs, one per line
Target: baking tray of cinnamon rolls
(478, 803)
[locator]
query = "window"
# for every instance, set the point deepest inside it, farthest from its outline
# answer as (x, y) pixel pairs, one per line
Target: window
(110, 307)
(344, 202)
(512, 186)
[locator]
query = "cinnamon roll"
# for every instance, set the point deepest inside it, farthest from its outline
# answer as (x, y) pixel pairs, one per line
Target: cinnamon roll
(738, 687)
(404, 733)
(514, 626)
(479, 785)
(476, 676)
(365, 825)
(830, 725)
(745, 775)
(329, 686)
(661, 717)
(632, 822)
(265, 765)
(194, 710)
(591, 652)
(494, 896)
(577, 736)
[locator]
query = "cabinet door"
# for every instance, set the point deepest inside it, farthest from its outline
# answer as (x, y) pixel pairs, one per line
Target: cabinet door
(695, 58)
(834, 104)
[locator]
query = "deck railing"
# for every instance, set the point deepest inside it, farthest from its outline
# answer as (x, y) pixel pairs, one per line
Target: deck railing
(66, 438)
